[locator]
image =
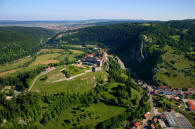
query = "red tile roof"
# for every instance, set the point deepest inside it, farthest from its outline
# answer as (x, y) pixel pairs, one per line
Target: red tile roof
(146, 115)
(192, 105)
(155, 119)
(136, 124)
(163, 87)
(90, 55)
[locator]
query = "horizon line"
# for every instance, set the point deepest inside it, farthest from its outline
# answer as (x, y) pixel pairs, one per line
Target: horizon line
(111, 19)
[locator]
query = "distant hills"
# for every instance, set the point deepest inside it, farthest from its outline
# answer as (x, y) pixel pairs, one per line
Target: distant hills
(91, 21)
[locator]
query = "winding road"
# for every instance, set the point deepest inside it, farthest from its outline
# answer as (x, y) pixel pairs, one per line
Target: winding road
(38, 76)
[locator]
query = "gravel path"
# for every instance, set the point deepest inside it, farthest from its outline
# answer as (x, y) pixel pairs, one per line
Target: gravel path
(38, 76)
(73, 77)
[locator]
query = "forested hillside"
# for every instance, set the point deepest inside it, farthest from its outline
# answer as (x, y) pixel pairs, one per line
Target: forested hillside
(17, 42)
(107, 105)
(160, 52)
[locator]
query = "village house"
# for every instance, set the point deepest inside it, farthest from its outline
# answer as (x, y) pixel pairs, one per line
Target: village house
(152, 126)
(178, 93)
(190, 91)
(47, 69)
(191, 105)
(134, 125)
(96, 47)
(155, 92)
(165, 90)
(155, 119)
(146, 115)
(137, 124)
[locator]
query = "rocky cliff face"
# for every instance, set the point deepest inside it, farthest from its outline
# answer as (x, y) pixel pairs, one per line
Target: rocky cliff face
(138, 59)
(120, 62)
(137, 52)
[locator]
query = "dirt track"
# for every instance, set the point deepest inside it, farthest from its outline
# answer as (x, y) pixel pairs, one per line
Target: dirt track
(38, 76)
(73, 77)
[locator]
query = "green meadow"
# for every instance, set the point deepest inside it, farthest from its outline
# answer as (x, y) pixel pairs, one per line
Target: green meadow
(175, 70)
(13, 66)
(80, 84)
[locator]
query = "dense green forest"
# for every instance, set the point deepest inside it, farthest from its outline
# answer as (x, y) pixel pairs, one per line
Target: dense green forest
(17, 42)
(35, 110)
(160, 52)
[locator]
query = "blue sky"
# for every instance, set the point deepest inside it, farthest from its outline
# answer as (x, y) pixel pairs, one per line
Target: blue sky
(96, 9)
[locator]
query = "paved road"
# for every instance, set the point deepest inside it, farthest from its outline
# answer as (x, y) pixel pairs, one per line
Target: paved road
(146, 121)
(38, 76)
(152, 111)
(73, 77)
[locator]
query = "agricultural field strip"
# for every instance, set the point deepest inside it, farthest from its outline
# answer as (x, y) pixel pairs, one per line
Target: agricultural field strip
(14, 65)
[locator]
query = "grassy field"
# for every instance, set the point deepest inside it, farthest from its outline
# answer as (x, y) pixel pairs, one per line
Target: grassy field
(74, 70)
(76, 51)
(14, 67)
(145, 24)
(75, 46)
(15, 64)
(82, 115)
(8, 72)
(66, 57)
(46, 59)
(57, 74)
(70, 55)
(175, 37)
(80, 84)
(91, 46)
(176, 70)
(50, 51)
